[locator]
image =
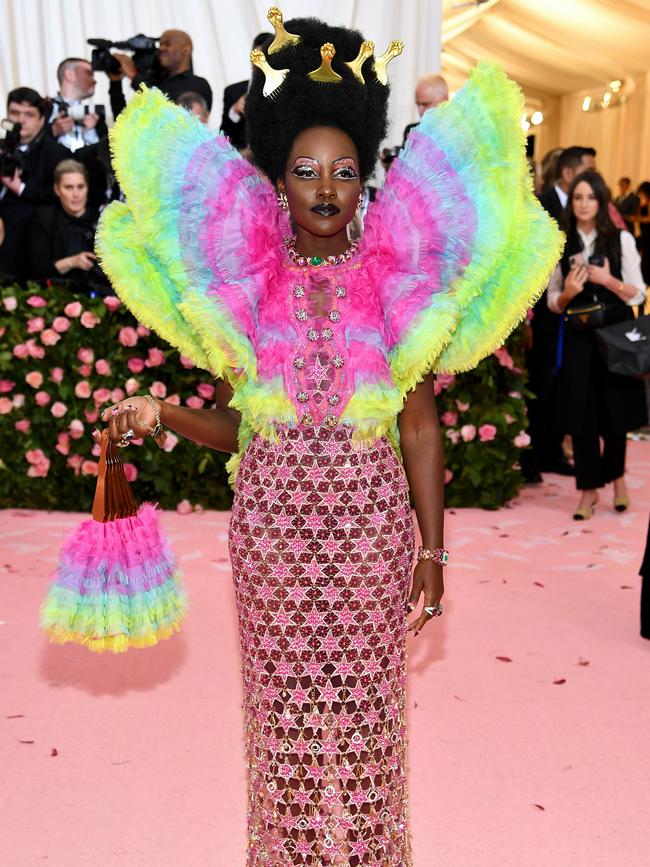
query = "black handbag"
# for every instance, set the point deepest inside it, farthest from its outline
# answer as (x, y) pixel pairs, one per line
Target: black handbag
(585, 318)
(625, 347)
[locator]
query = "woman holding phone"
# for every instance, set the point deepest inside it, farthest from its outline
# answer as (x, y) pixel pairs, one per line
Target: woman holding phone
(596, 283)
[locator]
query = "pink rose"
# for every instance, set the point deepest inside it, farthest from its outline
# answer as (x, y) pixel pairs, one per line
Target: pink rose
(453, 436)
(20, 350)
(73, 309)
(198, 509)
(185, 361)
(195, 402)
(102, 367)
(445, 379)
(509, 418)
(522, 440)
(174, 399)
(23, 425)
(449, 418)
(142, 331)
(184, 507)
(86, 355)
(131, 472)
(131, 385)
(437, 388)
(42, 398)
(205, 390)
(39, 463)
(515, 394)
(462, 407)
(62, 443)
(2, 331)
(487, 432)
(158, 389)
(127, 336)
(154, 357)
(117, 395)
(10, 303)
(89, 468)
(36, 301)
(112, 303)
(96, 450)
(56, 374)
(135, 364)
(6, 385)
(85, 369)
(170, 442)
(504, 357)
(74, 462)
(58, 409)
(448, 475)
(19, 401)
(49, 337)
(36, 324)
(468, 432)
(82, 389)
(6, 405)
(101, 395)
(34, 350)
(76, 428)
(61, 324)
(91, 415)
(88, 319)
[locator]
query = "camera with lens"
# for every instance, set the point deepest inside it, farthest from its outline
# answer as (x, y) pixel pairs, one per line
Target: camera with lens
(77, 112)
(9, 141)
(145, 57)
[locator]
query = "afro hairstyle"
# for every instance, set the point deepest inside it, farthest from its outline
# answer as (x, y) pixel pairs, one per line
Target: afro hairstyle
(360, 110)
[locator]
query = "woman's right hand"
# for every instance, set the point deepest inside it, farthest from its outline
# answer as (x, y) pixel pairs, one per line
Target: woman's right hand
(133, 413)
(84, 261)
(575, 281)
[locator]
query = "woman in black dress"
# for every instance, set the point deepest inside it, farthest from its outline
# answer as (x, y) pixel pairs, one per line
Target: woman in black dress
(600, 265)
(62, 235)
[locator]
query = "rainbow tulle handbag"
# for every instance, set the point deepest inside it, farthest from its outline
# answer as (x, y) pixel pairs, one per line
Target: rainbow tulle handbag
(116, 585)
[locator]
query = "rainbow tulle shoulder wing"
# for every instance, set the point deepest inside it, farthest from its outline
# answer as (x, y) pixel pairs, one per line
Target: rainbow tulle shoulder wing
(464, 248)
(187, 251)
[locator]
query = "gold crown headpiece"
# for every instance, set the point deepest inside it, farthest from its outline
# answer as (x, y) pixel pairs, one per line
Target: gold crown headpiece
(324, 74)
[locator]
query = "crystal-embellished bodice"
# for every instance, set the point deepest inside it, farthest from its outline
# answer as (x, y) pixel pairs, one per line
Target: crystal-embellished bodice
(321, 386)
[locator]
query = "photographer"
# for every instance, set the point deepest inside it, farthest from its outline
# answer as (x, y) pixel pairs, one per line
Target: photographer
(73, 124)
(27, 172)
(175, 59)
(62, 236)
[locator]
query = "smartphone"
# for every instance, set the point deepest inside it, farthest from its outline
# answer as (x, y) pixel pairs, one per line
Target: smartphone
(576, 261)
(598, 261)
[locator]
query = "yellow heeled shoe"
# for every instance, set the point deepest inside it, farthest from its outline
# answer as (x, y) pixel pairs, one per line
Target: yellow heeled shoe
(584, 513)
(621, 504)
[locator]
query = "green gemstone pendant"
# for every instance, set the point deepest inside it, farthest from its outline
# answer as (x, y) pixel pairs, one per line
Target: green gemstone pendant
(316, 260)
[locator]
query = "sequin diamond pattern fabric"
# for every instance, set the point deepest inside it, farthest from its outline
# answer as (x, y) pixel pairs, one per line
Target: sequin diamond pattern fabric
(321, 541)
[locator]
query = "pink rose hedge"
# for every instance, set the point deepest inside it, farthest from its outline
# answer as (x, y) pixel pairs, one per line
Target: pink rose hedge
(64, 357)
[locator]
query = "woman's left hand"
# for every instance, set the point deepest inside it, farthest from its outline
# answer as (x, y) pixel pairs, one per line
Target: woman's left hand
(600, 275)
(427, 580)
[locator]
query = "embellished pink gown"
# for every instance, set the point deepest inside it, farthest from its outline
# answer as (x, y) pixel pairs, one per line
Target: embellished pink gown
(320, 359)
(321, 541)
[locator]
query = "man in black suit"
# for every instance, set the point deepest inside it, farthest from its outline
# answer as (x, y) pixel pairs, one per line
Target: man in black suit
(31, 183)
(175, 58)
(627, 202)
(546, 453)
(233, 120)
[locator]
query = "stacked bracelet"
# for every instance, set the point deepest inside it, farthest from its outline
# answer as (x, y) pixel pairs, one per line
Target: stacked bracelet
(158, 429)
(438, 555)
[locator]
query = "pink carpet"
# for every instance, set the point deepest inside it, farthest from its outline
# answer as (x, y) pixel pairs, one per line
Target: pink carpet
(529, 703)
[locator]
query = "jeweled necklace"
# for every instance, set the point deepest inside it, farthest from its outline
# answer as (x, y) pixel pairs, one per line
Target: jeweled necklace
(307, 261)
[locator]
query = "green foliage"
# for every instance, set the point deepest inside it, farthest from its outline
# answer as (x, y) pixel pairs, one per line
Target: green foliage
(51, 465)
(67, 482)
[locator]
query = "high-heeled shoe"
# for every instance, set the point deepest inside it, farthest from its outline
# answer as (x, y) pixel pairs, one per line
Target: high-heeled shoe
(621, 504)
(584, 513)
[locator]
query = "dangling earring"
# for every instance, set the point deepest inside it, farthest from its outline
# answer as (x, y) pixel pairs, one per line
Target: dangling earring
(283, 201)
(362, 199)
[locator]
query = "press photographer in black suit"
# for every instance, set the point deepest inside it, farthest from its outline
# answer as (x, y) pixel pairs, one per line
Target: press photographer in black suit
(175, 57)
(29, 185)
